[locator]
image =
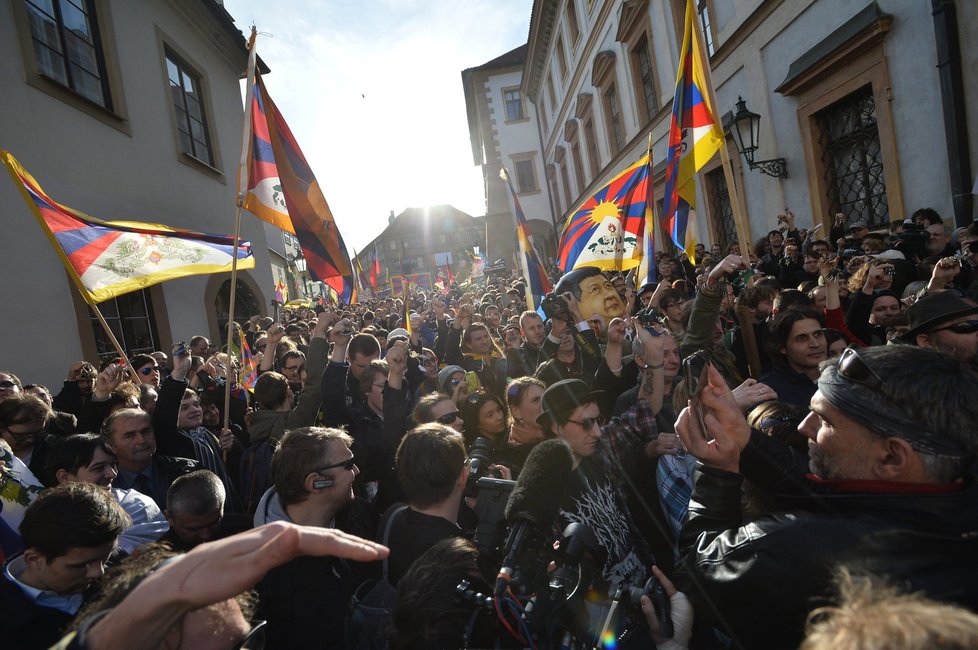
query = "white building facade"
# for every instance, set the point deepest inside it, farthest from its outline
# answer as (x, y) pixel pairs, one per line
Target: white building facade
(504, 133)
(861, 99)
(122, 110)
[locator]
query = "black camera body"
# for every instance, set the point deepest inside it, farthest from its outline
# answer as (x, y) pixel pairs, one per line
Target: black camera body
(480, 458)
(632, 596)
(555, 307)
(650, 317)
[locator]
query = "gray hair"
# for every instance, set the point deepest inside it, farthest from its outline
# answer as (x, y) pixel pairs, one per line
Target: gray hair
(198, 493)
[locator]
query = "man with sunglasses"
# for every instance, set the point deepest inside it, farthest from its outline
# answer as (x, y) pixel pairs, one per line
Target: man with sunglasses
(305, 600)
(596, 494)
(147, 370)
(889, 489)
(945, 322)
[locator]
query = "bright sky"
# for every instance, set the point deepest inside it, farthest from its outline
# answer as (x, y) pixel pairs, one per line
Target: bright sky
(372, 90)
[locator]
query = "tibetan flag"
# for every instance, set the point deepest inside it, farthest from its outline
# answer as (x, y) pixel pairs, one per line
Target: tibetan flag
(694, 137)
(109, 258)
(358, 271)
(374, 272)
(281, 292)
(537, 283)
(449, 275)
(248, 374)
(275, 154)
(606, 230)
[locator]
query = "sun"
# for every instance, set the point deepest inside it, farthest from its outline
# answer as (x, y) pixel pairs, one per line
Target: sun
(603, 210)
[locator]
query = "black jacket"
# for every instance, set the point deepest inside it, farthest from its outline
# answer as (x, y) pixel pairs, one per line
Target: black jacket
(26, 625)
(764, 577)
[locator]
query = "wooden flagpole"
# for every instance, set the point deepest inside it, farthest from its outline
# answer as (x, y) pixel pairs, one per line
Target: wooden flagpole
(739, 213)
(242, 188)
(115, 341)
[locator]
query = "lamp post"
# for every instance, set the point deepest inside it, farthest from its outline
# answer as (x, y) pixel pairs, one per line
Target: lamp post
(746, 128)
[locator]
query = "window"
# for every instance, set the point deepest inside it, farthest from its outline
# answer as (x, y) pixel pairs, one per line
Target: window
(572, 27)
(852, 160)
(514, 104)
(646, 80)
(185, 90)
(542, 112)
(561, 57)
(603, 77)
(706, 23)
(635, 32)
(585, 114)
(721, 211)
(573, 142)
(67, 46)
(130, 317)
(550, 91)
(616, 130)
(526, 177)
(392, 245)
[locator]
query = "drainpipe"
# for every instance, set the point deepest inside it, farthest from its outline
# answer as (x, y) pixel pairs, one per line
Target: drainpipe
(953, 108)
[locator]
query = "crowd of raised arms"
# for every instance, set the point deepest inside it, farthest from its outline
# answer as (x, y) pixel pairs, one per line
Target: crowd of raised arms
(767, 448)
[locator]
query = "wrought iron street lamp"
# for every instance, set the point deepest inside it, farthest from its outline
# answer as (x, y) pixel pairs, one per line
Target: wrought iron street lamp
(746, 128)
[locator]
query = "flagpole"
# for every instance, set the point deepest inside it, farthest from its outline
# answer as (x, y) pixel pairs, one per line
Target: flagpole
(242, 180)
(739, 214)
(115, 341)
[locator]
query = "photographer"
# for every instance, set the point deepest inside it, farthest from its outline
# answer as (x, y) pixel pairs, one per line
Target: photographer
(869, 285)
(705, 330)
(577, 355)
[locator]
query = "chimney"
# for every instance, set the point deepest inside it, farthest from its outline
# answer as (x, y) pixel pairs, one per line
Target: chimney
(390, 219)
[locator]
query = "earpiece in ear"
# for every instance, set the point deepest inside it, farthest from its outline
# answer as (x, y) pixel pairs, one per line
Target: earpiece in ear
(322, 483)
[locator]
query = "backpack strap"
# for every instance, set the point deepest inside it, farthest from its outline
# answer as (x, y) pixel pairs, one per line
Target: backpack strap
(387, 533)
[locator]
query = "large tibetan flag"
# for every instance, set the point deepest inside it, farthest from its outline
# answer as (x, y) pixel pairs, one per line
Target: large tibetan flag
(109, 258)
(606, 230)
(537, 283)
(281, 292)
(694, 137)
(280, 182)
(374, 271)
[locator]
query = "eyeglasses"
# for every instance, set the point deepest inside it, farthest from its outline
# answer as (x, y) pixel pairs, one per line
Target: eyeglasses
(148, 370)
(448, 418)
(852, 367)
(454, 382)
(587, 423)
(7, 385)
(346, 464)
(964, 327)
(430, 361)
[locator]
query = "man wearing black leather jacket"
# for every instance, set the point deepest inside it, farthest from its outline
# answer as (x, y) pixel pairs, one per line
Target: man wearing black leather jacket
(890, 490)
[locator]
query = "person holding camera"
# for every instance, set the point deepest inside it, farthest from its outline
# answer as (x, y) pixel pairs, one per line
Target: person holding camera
(871, 300)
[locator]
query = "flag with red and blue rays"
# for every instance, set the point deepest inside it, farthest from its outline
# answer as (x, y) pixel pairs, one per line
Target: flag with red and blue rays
(106, 259)
(537, 282)
(281, 182)
(248, 374)
(606, 230)
(694, 138)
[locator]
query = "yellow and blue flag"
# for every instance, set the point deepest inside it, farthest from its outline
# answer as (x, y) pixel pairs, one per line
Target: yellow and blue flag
(606, 230)
(694, 137)
(537, 282)
(282, 189)
(109, 258)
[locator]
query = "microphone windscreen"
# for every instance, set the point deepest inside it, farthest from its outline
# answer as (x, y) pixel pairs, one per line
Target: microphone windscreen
(542, 484)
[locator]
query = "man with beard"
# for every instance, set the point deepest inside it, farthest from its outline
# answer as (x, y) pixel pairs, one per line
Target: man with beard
(944, 322)
(889, 490)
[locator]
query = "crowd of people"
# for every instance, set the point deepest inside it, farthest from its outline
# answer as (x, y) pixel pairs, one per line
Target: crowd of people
(783, 441)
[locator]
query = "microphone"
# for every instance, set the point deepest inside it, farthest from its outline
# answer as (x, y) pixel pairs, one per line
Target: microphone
(531, 512)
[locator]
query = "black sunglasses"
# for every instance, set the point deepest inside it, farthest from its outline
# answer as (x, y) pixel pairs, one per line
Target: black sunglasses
(448, 418)
(964, 327)
(852, 367)
(148, 370)
(7, 385)
(346, 464)
(586, 423)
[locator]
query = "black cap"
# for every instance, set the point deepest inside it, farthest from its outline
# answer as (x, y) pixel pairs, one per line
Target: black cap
(934, 310)
(565, 396)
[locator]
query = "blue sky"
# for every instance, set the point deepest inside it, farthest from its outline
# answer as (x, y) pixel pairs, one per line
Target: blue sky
(372, 91)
